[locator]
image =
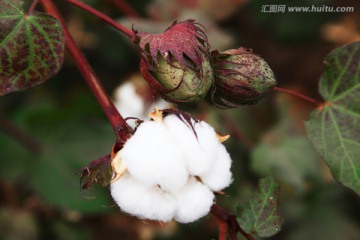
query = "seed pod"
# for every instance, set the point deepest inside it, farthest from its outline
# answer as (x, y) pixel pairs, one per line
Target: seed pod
(176, 62)
(241, 78)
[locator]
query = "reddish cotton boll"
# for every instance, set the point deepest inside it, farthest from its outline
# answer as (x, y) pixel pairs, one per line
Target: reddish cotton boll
(219, 176)
(193, 201)
(141, 201)
(198, 142)
(176, 62)
(153, 158)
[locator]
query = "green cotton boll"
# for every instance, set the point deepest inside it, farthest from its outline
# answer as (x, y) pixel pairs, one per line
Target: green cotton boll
(188, 85)
(241, 78)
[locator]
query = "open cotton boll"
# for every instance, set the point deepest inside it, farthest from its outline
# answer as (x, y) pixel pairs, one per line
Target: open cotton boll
(193, 201)
(138, 200)
(219, 177)
(153, 158)
(199, 151)
(128, 102)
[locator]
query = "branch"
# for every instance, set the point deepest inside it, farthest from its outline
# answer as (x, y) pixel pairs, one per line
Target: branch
(116, 25)
(299, 95)
(20, 135)
(224, 217)
(121, 128)
(124, 8)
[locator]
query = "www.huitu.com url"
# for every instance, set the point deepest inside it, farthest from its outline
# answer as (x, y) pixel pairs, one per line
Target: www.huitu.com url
(308, 9)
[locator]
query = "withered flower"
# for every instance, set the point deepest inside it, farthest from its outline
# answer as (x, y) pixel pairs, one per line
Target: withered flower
(240, 78)
(176, 62)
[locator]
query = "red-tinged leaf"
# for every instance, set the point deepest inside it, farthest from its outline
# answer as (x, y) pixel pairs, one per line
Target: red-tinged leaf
(31, 47)
(183, 40)
(98, 171)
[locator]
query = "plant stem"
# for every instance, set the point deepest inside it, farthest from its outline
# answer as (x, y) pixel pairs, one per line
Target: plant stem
(299, 95)
(124, 8)
(224, 217)
(116, 25)
(121, 128)
(32, 6)
(20, 135)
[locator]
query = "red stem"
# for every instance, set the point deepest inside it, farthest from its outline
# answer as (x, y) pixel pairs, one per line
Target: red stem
(116, 25)
(124, 8)
(299, 95)
(224, 217)
(32, 6)
(121, 128)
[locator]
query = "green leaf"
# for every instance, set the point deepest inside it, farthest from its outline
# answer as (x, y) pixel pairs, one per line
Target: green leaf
(259, 215)
(334, 128)
(31, 47)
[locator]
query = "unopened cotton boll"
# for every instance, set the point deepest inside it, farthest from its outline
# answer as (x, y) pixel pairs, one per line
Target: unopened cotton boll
(219, 177)
(200, 149)
(153, 158)
(193, 201)
(143, 202)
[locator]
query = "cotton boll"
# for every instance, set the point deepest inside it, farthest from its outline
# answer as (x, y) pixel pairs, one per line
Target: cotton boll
(153, 158)
(219, 177)
(138, 200)
(199, 151)
(193, 201)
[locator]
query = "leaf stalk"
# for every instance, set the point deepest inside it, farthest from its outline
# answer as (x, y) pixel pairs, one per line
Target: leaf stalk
(299, 95)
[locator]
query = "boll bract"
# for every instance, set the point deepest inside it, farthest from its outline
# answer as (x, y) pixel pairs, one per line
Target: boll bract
(240, 77)
(176, 63)
(169, 169)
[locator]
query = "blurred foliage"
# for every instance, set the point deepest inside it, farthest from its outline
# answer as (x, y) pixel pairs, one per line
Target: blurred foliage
(40, 195)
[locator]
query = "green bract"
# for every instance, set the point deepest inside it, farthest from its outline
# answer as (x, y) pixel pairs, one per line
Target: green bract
(187, 84)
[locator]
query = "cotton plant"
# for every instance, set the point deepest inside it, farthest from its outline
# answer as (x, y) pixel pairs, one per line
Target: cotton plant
(170, 168)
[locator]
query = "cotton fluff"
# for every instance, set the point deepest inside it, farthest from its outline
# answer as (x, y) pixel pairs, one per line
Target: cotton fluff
(128, 102)
(193, 201)
(153, 158)
(219, 177)
(172, 171)
(199, 144)
(141, 201)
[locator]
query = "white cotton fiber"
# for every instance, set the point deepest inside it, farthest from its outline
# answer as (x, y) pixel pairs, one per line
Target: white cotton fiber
(219, 177)
(199, 150)
(143, 202)
(153, 158)
(193, 201)
(128, 102)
